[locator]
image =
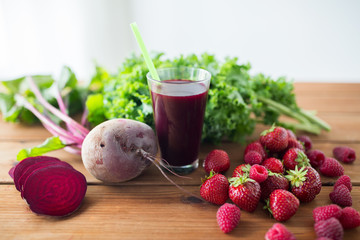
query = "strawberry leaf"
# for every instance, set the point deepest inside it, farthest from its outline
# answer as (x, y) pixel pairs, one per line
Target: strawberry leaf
(268, 130)
(297, 177)
(302, 159)
(237, 181)
(246, 168)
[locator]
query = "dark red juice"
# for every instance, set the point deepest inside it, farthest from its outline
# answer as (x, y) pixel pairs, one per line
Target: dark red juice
(179, 107)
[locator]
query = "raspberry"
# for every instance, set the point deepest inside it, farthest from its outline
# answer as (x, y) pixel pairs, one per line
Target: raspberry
(330, 228)
(341, 196)
(274, 165)
(279, 232)
(307, 142)
(344, 179)
(253, 157)
(316, 157)
(258, 173)
(291, 134)
(331, 168)
(228, 217)
(350, 218)
(344, 154)
(293, 143)
(326, 212)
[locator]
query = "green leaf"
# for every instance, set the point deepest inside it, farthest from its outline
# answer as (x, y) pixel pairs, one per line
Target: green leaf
(95, 106)
(7, 101)
(20, 85)
(50, 144)
(73, 95)
(67, 78)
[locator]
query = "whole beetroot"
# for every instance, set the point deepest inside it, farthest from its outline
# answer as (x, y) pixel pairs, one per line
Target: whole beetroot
(119, 150)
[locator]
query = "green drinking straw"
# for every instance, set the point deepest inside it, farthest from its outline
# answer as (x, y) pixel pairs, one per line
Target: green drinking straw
(144, 51)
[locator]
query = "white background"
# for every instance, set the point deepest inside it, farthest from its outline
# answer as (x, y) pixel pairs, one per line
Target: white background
(305, 40)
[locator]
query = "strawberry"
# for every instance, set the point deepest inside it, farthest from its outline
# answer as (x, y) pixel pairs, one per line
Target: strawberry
(344, 179)
(279, 232)
(273, 182)
(252, 158)
(331, 168)
(275, 139)
(330, 228)
(244, 192)
(291, 134)
(350, 218)
(274, 165)
(217, 160)
(241, 170)
(326, 212)
(215, 188)
(306, 141)
(293, 157)
(256, 147)
(258, 173)
(305, 183)
(228, 217)
(283, 204)
(316, 157)
(344, 154)
(341, 196)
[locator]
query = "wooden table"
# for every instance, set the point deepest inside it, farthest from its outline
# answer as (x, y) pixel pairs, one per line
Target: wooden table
(149, 207)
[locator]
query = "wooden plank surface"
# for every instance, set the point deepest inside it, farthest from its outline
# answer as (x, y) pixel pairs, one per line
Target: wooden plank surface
(149, 207)
(143, 212)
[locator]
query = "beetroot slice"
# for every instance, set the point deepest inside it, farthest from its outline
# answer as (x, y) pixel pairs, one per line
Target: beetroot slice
(55, 190)
(22, 165)
(29, 168)
(22, 180)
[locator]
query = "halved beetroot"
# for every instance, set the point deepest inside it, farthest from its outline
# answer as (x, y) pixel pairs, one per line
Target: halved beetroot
(27, 162)
(55, 190)
(28, 171)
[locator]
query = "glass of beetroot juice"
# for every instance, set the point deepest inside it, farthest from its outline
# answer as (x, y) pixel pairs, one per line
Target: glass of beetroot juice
(179, 101)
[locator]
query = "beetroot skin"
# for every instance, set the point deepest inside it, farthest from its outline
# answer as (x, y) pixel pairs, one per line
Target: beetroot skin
(119, 150)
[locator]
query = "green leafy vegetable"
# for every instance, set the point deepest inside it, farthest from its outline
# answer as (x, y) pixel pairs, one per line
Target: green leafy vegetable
(236, 99)
(73, 95)
(50, 144)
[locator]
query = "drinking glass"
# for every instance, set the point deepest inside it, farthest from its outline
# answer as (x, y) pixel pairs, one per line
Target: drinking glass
(179, 101)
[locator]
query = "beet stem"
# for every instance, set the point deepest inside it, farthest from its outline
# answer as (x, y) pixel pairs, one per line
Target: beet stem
(84, 131)
(49, 124)
(63, 108)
